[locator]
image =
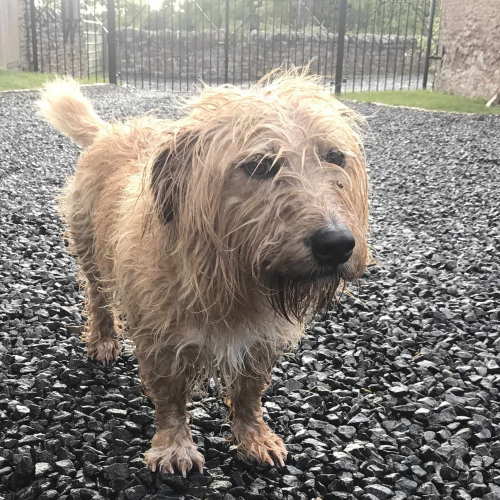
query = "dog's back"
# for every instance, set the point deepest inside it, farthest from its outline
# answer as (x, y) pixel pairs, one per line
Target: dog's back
(113, 153)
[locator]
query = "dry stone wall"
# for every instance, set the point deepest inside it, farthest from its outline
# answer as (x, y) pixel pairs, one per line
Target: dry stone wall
(55, 54)
(168, 54)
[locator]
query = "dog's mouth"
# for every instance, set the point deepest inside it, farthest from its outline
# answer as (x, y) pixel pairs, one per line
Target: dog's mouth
(320, 274)
(326, 273)
(296, 295)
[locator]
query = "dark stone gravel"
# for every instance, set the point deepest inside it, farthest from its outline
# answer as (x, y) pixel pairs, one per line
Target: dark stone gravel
(393, 395)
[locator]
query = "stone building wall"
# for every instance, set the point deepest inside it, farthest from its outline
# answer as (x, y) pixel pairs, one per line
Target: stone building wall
(470, 38)
(9, 35)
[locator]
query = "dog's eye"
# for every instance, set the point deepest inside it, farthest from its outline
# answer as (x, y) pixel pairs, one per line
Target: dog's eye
(264, 168)
(335, 157)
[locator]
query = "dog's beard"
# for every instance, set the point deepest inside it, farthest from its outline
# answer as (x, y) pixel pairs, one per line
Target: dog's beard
(296, 298)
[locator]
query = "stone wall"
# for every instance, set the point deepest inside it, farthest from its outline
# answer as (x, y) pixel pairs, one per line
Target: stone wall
(470, 38)
(55, 54)
(185, 57)
(176, 54)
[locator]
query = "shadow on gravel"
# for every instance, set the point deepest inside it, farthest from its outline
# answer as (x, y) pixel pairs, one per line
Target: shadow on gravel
(394, 395)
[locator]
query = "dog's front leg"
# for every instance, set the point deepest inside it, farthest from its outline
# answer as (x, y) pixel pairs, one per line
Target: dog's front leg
(167, 381)
(250, 433)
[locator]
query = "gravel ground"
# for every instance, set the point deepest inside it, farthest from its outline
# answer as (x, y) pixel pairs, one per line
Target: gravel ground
(349, 84)
(393, 395)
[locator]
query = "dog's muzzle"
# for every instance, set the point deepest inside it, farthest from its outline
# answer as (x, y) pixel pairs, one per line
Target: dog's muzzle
(332, 245)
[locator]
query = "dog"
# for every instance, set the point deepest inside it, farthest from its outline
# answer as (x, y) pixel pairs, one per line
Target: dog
(214, 236)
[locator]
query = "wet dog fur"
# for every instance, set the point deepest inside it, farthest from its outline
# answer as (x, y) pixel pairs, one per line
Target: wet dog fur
(197, 231)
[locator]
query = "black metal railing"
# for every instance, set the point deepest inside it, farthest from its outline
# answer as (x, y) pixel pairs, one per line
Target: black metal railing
(173, 44)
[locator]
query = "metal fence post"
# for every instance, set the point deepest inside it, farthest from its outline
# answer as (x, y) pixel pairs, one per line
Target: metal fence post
(340, 46)
(429, 44)
(112, 42)
(226, 46)
(33, 35)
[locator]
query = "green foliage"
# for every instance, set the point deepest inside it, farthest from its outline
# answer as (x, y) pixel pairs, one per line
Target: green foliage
(403, 17)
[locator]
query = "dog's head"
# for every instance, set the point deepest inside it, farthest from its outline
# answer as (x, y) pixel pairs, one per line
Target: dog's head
(266, 188)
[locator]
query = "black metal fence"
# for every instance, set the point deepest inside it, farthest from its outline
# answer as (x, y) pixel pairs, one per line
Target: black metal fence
(172, 44)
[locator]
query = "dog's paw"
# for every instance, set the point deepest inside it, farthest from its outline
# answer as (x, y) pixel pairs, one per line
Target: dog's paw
(104, 350)
(265, 447)
(180, 456)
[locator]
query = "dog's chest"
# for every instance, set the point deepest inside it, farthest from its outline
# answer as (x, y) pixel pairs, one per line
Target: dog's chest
(229, 347)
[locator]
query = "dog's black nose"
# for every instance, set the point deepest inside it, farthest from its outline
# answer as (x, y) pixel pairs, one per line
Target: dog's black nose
(333, 245)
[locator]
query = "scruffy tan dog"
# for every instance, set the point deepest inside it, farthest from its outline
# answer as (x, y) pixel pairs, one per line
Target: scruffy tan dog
(213, 236)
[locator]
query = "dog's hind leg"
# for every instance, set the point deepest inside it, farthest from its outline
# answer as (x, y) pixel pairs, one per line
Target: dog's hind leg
(250, 433)
(100, 332)
(101, 336)
(167, 381)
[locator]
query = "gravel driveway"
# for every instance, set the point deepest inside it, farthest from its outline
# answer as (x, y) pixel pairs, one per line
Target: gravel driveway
(393, 395)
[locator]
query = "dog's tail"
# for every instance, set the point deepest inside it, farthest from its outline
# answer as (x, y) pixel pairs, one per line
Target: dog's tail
(63, 105)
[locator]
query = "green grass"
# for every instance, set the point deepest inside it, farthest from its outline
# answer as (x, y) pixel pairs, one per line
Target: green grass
(16, 80)
(426, 99)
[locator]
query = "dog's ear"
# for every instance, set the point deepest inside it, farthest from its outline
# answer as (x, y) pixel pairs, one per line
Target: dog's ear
(169, 171)
(161, 185)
